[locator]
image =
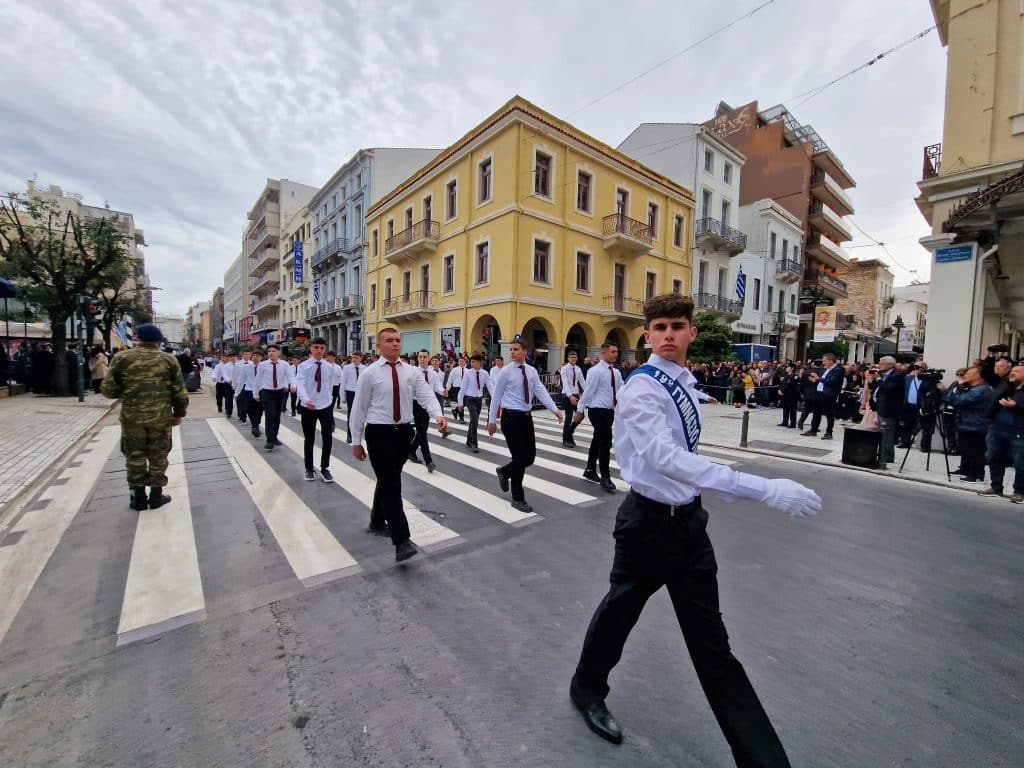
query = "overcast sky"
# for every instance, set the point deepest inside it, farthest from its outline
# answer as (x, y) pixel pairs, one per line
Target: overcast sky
(179, 111)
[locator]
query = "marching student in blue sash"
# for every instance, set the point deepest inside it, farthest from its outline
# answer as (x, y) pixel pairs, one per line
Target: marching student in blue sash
(661, 540)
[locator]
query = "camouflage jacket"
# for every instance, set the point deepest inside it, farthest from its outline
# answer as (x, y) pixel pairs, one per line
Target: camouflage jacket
(149, 384)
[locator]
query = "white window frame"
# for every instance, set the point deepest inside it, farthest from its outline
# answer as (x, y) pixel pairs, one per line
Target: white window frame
(725, 201)
(707, 213)
(709, 167)
(550, 265)
(375, 243)
(444, 272)
(677, 285)
(480, 202)
(455, 213)
(589, 290)
(388, 295)
(629, 199)
(476, 255)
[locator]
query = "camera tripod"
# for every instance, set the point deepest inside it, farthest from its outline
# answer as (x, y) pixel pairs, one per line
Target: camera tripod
(940, 425)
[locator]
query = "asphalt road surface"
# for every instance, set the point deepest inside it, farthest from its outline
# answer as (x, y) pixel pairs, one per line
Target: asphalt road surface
(254, 622)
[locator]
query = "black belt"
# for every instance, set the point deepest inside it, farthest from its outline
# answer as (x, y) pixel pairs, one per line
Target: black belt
(399, 425)
(672, 510)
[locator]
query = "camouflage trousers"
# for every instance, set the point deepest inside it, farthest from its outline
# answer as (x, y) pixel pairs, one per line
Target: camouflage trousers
(145, 448)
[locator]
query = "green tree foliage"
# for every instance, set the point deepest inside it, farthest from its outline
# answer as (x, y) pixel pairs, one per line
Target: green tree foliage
(840, 348)
(713, 342)
(58, 256)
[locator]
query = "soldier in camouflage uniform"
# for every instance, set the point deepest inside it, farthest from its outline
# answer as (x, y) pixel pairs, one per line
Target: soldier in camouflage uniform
(153, 399)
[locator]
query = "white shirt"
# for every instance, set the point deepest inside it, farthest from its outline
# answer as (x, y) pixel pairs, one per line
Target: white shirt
(651, 448)
(350, 376)
(249, 376)
(238, 374)
(507, 391)
(374, 401)
(598, 393)
(569, 374)
(222, 372)
(457, 376)
(435, 379)
(305, 383)
(473, 384)
(265, 376)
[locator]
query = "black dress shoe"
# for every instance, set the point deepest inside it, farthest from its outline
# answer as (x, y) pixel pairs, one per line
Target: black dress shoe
(782, 425)
(256, 432)
(599, 720)
(269, 446)
(414, 459)
(431, 466)
(568, 444)
(157, 498)
(502, 480)
(827, 436)
(608, 485)
(277, 442)
(591, 476)
(522, 506)
(808, 433)
(404, 551)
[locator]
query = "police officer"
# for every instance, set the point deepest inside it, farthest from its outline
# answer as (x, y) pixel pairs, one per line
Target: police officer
(153, 399)
(661, 540)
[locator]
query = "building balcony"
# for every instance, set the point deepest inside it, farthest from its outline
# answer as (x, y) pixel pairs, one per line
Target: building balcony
(336, 247)
(325, 310)
(826, 190)
(826, 161)
(263, 260)
(627, 235)
(727, 309)
(269, 280)
(618, 308)
(714, 235)
(418, 305)
(789, 271)
(288, 324)
(265, 236)
(932, 161)
(264, 304)
(352, 305)
(270, 324)
(420, 238)
(832, 286)
(827, 252)
(829, 223)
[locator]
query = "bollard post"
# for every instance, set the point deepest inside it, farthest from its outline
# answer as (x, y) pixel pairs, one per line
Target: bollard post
(743, 429)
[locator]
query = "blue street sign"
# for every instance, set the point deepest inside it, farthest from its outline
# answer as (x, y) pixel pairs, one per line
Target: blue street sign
(297, 251)
(953, 253)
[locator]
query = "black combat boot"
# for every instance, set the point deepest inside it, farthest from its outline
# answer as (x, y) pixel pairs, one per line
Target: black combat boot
(137, 500)
(157, 498)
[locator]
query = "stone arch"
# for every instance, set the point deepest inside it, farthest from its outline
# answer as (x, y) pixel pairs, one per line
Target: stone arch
(640, 350)
(618, 337)
(477, 337)
(536, 333)
(580, 336)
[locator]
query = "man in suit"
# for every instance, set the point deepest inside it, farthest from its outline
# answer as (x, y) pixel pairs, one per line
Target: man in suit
(827, 387)
(890, 390)
(809, 391)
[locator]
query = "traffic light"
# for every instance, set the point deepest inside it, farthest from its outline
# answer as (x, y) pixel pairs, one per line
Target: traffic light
(487, 337)
(88, 310)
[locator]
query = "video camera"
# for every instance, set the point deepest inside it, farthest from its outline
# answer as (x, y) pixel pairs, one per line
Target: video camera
(932, 374)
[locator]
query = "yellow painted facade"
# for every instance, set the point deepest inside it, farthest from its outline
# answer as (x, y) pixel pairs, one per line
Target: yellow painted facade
(527, 246)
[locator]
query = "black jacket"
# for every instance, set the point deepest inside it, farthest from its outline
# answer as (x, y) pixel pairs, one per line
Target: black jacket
(832, 383)
(890, 393)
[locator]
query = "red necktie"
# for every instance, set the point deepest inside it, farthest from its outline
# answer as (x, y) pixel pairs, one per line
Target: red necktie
(396, 403)
(316, 376)
(274, 367)
(478, 383)
(611, 372)
(526, 386)
(574, 377)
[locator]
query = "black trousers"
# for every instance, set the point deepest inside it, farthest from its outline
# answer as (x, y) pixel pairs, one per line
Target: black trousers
(388, 449)
(225, 397)
(654, 548)
(789, 409)
(473, 405)
(927, 422)
(517, 426)
(422, 420)
(824, 406)
(600, 454)
(809, 403)
(294, 401)
(254, 411)
(245, 402)
(335, 395)
(569, 426)
(350, 396)
(908, 425)
(272, 402)
(972, 454)
(453, 398)
(325, 416)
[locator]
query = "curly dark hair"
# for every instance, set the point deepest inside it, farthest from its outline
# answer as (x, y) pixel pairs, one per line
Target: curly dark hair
(668, 305)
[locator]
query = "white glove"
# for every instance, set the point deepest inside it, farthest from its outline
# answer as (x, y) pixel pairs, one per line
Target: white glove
(791, 497)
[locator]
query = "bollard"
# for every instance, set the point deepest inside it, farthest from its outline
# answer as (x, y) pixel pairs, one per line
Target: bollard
(743, 429)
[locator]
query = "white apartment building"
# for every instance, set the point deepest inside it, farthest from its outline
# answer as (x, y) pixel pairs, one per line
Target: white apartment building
(235, 298)
(911, 306)
(692, 156)
(171, 326)
(279, 201)
(773, 267)
(295, 277)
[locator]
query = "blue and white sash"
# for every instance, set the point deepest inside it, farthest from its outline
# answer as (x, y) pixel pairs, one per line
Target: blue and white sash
(688, 413)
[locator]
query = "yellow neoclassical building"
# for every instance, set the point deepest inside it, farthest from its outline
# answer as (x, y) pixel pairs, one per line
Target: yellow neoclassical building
(527, 226)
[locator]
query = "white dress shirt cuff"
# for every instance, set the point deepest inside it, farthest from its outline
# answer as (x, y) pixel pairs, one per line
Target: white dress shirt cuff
(749, 486)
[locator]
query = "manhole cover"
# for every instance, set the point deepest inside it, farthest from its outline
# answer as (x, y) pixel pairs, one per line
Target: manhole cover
(788, 448)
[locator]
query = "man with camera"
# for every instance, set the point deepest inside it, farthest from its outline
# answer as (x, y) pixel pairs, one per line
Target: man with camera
(972, 400)
(918, 406)
(1005, 439)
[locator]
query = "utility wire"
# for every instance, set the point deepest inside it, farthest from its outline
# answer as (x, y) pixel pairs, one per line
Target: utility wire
(881, 245)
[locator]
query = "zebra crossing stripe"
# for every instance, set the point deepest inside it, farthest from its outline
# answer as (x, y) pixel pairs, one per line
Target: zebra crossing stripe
(312, 551)
(164, 590)
(429, 535)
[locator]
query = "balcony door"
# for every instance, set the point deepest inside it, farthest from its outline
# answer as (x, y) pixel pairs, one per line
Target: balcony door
(619, 287)
(621, 203)
(427, 212)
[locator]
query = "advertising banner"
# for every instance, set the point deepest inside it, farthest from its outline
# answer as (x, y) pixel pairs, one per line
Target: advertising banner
(906, 340)
(297, 252)
(824, 324)
(451, 341)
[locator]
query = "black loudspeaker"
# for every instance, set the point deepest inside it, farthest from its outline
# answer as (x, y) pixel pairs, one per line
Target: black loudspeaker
(861, 446)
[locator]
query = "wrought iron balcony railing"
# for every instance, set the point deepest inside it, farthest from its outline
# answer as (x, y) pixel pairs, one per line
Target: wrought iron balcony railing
(715, 303)
(621, 224)
(421, 230)
(715, 227)
(410, 302)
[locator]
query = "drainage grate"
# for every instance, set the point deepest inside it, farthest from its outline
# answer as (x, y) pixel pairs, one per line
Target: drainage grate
(788, 448)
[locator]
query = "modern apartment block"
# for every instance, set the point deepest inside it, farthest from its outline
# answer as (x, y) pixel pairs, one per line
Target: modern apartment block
(787, 161)
(525, 226)
(972, 187)
(338, 212)
(278, 202)
(236, 297)
(692, 156)
(295, 292)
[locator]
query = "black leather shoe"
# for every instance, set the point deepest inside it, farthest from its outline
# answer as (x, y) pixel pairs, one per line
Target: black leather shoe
(379, 530)
(414, 459)
(277, 442)
(608, 485)
(827, 436)
(256, 432)
(502, 480)
(404, 551)
(591, 476)
(568, 444)
(522, 506)
(138, 500)
(157, 498)
(269, 446)
(599, 720)
(431, 466)
(808, 433)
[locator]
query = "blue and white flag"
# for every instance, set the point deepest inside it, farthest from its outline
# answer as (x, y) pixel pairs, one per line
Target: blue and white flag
(741, 285)
(316, 290)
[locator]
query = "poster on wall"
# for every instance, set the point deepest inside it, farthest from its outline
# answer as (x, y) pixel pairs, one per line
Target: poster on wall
(451, 341)
(824, 324)
(905, 342)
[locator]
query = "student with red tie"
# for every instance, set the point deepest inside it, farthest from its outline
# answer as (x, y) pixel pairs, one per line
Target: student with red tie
(514, 389)
(315, 387)
(572, 386)
(421, 417)
(471, 396)
(382, 412)
(349, 382)
(274, 380)
(600, 399)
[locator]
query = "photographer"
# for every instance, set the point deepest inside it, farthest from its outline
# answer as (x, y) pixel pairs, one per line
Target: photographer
(994, 370)
(920, 391)
(1005, 440)
(972, 401)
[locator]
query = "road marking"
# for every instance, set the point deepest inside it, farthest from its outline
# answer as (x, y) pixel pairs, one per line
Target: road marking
(429, 535)
(313, 553)
(41, 529)
(164, 590)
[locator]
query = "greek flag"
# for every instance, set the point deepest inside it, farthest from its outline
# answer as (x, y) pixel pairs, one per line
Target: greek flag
(741, 285)
(316, 291)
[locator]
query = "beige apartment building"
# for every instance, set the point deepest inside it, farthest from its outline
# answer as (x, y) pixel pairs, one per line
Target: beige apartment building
(296, 276)
(972, 185)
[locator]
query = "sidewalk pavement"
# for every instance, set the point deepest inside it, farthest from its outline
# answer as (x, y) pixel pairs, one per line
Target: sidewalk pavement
(36, 433)
(722, 427)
